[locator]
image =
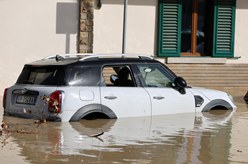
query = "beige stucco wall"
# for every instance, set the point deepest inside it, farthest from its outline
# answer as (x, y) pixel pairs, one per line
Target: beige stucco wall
(32, 29)
(241, 32)
(108, 26)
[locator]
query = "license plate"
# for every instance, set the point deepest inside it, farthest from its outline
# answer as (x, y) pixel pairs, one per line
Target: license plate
(30, 100)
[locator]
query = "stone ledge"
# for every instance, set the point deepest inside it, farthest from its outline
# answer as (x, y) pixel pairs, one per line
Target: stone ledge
(195, 60)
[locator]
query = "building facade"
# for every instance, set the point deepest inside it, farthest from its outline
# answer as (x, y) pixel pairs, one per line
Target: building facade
(203, 31)
(174, 31)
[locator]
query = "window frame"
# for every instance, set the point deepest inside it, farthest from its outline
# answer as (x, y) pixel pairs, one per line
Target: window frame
(163, 51)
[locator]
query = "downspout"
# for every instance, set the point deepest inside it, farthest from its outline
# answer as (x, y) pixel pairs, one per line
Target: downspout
(99, 5)
(79, 24)
(124, 27)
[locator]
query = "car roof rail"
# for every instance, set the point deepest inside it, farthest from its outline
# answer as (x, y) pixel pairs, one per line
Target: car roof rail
(90, 56)
(60, 57)
(115, 56)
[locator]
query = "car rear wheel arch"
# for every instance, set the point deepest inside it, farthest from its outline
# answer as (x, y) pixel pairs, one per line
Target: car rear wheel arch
(217, 104)
(93, 111)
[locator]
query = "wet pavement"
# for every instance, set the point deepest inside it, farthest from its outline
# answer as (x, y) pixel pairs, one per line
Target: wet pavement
(214, 137)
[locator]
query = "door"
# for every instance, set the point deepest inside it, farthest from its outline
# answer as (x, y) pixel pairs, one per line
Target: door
(164, 98)
(124, 97)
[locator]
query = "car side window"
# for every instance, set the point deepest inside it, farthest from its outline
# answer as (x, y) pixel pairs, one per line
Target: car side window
(154, 75)
(118, 76)
(85, 76)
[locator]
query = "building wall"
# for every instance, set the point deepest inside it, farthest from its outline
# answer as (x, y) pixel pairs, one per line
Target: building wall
(142, 28)
(34, 29)
(241, 32)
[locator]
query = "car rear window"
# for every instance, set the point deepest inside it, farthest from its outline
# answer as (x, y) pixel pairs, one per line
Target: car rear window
(42, 76)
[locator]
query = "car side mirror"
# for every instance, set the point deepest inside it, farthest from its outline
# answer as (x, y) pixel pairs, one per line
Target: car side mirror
(180, 84)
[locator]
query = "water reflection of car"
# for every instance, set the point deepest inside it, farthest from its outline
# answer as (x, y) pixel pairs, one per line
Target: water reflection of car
(67, 140)
(73, 87)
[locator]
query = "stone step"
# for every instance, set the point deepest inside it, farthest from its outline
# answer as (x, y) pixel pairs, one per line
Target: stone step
(213, 75)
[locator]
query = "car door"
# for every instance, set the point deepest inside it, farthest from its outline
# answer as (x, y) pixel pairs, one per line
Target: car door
(164, 98)
(125, 100)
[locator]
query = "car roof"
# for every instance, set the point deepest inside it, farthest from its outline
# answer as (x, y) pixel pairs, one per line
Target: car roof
(96, 59)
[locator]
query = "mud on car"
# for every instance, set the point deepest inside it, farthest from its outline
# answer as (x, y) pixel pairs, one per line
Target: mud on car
(87, 86)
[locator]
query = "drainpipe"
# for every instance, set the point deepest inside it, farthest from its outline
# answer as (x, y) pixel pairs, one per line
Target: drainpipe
(99, 5)
(124, 27)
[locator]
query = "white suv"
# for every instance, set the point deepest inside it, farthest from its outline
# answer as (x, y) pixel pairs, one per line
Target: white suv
(89, 86)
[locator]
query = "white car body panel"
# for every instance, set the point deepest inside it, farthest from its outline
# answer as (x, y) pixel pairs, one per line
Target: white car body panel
(170, 101)
(209, 95)
(126, 101)
(76, 98)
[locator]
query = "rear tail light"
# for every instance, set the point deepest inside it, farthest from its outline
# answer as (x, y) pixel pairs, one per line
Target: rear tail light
(55, 102)
(5, 97)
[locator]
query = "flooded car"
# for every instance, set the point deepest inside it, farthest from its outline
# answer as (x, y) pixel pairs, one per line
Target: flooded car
(82, 86)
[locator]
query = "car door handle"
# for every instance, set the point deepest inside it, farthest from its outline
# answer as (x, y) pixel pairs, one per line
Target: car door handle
(110, 97)
(158, 97)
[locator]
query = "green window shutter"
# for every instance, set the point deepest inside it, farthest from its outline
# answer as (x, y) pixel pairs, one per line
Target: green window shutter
(224, 28)
(169, 30)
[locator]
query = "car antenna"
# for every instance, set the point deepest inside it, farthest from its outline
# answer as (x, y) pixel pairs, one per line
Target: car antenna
(58, 58)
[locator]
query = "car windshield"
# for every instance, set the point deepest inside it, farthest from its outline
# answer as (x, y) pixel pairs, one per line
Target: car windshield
(42, 76)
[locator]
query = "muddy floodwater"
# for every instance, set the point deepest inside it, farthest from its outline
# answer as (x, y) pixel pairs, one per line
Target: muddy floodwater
(216, 137)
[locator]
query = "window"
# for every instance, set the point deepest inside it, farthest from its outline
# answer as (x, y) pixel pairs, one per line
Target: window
(85, 76)
(196, 28)
(155, 76)
(120, 76)
(42, 76)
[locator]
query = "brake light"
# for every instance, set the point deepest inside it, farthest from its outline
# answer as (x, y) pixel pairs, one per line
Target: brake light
(5, 97)
(55, 102)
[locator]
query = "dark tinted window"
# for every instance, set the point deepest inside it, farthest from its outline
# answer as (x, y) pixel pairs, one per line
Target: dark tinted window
(42, 76)
(85, 76)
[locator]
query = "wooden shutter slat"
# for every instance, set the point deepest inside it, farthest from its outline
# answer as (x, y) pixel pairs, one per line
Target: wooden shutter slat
(224, 28)
(169, 28)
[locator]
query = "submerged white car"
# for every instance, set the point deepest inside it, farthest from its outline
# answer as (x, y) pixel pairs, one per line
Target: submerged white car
(82, 86)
